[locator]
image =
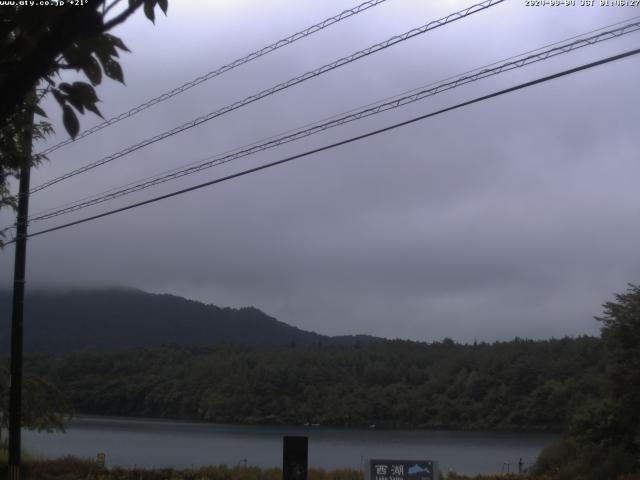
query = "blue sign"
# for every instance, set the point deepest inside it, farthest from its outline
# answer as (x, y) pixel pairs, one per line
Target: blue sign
(403, 470)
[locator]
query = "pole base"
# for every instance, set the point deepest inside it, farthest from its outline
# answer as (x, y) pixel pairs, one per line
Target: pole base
(14, 472)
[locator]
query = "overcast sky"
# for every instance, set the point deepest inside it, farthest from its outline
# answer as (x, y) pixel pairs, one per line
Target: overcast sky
(518, 216)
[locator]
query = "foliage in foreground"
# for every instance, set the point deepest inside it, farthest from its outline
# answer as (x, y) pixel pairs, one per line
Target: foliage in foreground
(72, 468)
(603, 439)
(37, 45)
(44, 407)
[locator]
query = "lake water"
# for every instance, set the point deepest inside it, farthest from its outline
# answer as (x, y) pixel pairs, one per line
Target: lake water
(159, 443)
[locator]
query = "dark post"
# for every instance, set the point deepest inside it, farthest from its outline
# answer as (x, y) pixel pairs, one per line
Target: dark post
(294, 458)
(17, 310)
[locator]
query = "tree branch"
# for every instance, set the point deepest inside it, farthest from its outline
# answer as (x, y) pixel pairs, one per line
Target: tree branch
(117, 20)
(65, 66)
(40, 60)
(106, 9)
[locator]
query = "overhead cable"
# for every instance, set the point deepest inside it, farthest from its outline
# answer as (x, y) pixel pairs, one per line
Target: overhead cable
(370, 110)
(344, 142)
(270, 91)
(219, 71)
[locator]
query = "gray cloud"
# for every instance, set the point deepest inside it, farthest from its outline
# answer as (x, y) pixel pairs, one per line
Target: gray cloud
(512, 217)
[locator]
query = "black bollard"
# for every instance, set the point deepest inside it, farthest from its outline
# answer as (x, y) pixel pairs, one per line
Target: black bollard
(294, 458)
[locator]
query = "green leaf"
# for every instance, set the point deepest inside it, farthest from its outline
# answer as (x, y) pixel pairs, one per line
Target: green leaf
(85, 95)
(74, 56)
(92, 108)
(40, 111)
(84, 92)
(79, 56)
(91, 69)
(148, 10)
(103, 57)
(76, 104)
(60, 98)
(103, 48)
(65, 87)
(164, 4)
(116, 41)
(112, 69)
(104, 43)
(70, 121)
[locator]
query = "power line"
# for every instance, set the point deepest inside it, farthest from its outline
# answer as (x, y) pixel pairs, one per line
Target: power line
(270, 91)
(219, 71)
(370, 110)
(347, 141)
(629, 28)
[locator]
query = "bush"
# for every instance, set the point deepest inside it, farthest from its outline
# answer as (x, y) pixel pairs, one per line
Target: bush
(66, 468)
(567, 460)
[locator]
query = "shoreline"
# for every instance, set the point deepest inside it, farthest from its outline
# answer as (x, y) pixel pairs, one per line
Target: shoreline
(434, 428)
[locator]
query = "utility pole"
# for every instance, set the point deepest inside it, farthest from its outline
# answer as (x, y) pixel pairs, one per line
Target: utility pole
(17, 309)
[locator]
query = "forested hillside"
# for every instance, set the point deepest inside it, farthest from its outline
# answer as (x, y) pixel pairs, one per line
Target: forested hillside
(517, 384)
(117, 319)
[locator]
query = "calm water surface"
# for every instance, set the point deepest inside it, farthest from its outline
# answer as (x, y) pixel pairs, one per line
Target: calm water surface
(160, 443)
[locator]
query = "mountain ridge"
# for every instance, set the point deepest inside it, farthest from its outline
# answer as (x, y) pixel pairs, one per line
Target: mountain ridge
(119, 318)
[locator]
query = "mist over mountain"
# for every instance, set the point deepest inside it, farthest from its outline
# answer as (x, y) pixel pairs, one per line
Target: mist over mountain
(114, 319)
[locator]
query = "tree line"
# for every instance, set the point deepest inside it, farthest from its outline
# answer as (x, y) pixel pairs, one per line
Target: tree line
(521, 384)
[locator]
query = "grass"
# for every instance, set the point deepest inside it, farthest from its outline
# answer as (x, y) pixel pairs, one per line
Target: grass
(73, 468)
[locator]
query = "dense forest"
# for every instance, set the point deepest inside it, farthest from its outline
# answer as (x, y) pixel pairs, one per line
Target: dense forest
(504, 385)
